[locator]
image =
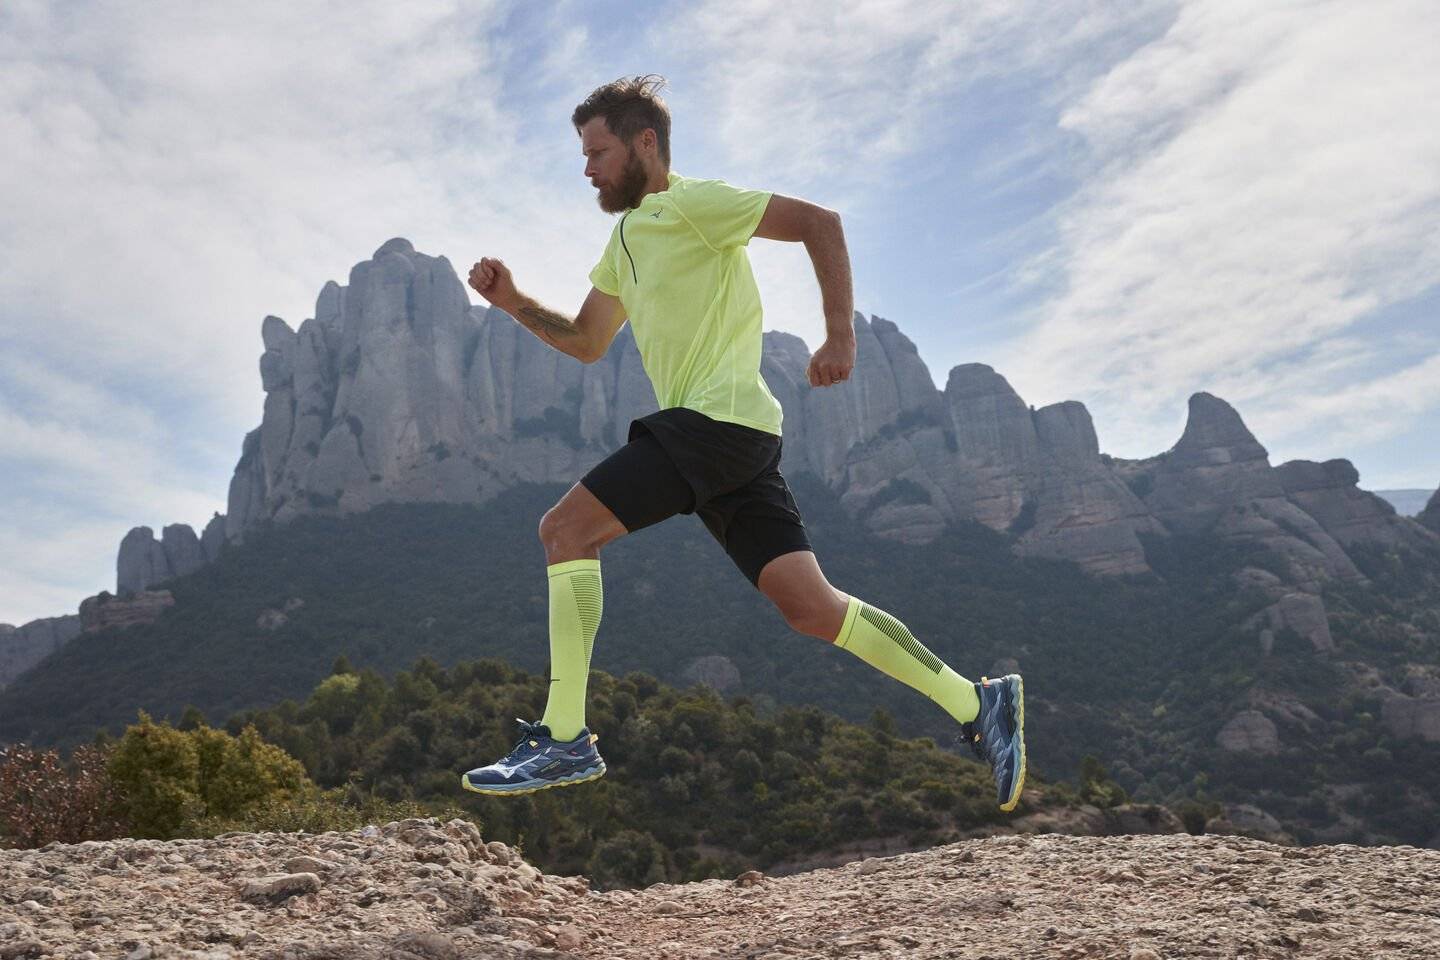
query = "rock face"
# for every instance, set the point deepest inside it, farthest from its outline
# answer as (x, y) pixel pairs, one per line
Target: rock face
(104, 611)
(1412, 717)
(720, 673)
(144, 561)
(398, 389)
(422, 889)
(1330, 493)
(24, 646)
(1218, 479)
(1249, 731)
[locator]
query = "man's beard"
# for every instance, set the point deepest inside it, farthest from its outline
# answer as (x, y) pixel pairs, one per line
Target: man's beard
(629, 191)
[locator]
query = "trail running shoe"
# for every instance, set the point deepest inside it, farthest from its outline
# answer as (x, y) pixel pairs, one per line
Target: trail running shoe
(538, 762)
(997, 734)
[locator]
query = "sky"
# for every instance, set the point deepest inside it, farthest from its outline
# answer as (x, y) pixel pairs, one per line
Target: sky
(1119, 203)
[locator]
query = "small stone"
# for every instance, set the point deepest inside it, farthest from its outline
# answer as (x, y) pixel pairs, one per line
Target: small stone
(430, 944)
(749, 878)
(667, 907)
(569, 937)
(280, 888)
(1142, 953)
(25, 948)
(304, 864)
(869, 866)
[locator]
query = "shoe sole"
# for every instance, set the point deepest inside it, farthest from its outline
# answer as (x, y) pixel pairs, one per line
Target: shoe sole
(1017, 744)
(498, 790)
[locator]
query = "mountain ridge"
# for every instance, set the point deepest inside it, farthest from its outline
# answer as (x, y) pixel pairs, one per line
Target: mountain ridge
(398, 389)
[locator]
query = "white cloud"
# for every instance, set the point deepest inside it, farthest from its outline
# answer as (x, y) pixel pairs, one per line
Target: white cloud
(1261, 180)
(839, 93)
(173, 172)
(1255, 182)
(834, 101)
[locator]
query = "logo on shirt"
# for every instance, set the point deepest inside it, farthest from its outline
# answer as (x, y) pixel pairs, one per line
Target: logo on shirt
(656, 214)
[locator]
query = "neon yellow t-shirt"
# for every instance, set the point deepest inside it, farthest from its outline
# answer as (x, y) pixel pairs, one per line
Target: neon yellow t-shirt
(677, 262)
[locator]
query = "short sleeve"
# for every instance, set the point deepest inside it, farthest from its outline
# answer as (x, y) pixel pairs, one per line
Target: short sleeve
(603, 275)
(726, 216)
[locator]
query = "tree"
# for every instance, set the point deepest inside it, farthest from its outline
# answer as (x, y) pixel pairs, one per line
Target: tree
(157, 769)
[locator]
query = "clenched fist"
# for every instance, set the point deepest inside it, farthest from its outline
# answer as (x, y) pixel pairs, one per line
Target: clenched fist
(832, 363)
(491, 279)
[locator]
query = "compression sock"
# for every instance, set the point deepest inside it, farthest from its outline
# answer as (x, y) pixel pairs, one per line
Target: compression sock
(575, 604)
(887, 645)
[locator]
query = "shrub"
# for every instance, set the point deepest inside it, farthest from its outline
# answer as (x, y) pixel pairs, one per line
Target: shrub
(43, 800)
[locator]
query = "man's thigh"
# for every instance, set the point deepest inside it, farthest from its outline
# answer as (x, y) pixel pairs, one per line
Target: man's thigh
(639, 484)
(757, 523)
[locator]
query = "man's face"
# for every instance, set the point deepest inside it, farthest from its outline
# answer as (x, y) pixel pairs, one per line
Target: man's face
(612, 167)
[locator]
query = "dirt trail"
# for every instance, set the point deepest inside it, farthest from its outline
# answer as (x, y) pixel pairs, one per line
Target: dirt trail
(426, 890)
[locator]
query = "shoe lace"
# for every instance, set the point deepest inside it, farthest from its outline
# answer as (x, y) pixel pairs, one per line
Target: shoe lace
(528, 731)
(970, 734)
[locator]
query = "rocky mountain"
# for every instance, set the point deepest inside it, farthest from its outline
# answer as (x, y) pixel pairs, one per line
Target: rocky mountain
(24, 646)
(422, 890)
(400, 390)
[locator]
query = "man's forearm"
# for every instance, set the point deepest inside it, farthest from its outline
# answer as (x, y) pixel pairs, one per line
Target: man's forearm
(826, 246)
(554, 328)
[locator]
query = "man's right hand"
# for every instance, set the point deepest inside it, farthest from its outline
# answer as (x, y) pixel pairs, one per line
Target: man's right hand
(491, 279)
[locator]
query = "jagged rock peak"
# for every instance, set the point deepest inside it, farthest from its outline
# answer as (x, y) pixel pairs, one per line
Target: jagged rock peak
(1299, 476)
(394, 245)
(1067, 430)
(1215, 434)
(977, 380)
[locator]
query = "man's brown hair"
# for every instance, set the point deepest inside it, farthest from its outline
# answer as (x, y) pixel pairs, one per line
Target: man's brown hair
(629, 106)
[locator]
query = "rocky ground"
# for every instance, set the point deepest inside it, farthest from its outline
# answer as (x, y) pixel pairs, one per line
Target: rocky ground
(425, 890)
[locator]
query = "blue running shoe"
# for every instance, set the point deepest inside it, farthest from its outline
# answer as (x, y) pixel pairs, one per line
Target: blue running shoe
(997, 734)
(539, 762)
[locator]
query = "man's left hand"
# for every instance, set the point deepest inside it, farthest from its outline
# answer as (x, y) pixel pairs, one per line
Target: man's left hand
(832, 363)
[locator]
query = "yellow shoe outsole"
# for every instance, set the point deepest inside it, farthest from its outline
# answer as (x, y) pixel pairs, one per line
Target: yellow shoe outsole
(465, 783)
(1010, 804)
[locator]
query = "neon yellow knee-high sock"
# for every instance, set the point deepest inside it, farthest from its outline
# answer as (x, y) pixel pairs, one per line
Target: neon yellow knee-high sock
(887, 645)
(575, 604)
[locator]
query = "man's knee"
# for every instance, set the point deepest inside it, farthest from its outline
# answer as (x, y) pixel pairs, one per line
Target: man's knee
(569, 530)
(814, 615)
(559, 530)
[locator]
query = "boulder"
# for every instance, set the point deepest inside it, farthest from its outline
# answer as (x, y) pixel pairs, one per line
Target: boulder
(103, 611)
(717, 672)
(1412, 717)
(1249, 731)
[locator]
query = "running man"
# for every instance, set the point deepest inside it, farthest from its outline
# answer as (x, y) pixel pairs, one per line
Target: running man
(676, 267)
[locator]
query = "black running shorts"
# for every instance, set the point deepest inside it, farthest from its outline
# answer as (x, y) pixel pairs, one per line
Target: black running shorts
(680, 461)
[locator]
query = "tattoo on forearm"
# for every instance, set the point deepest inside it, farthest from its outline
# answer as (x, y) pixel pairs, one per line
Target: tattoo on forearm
(535, 316)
